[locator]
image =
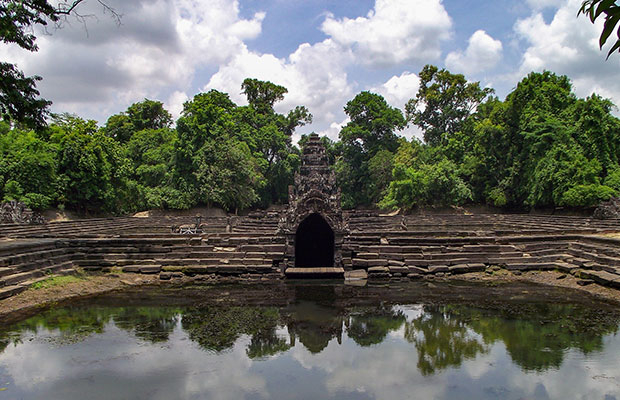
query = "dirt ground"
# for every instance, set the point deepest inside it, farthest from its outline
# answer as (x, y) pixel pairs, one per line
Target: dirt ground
(550, 278)
(32, 301)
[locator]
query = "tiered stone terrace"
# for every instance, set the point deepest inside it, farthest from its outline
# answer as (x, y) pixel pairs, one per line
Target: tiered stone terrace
(250, 247)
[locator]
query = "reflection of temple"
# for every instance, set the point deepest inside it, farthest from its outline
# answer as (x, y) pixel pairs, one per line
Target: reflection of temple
(313, 223)
(313, 325)
(313, 318)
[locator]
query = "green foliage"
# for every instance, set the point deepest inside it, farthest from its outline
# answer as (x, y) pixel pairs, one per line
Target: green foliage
(540, 147)
(147, 114)
(92, 170)
(56, 281)
(435, 184)
(19, 100)
(28, 169)
(586, 195)
(443, 103)
(596, 8)
(613, 180)
(371, 131)
(268, 136)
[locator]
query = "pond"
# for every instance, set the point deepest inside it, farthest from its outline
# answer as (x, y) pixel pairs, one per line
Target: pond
(318, 341)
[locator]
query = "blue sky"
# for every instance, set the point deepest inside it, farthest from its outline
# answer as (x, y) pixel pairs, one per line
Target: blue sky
(324, 52)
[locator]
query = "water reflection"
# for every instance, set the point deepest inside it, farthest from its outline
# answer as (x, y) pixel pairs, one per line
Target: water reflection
(443, 339)
(316, 339)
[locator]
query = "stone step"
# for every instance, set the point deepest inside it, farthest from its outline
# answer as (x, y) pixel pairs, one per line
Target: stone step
(220, 269)
(19, 277)
(315, 272)
(8, 291)
(601, 259)
(30, 256)
(603, 278)
(531, 266)
(41, 263)
(566, 267)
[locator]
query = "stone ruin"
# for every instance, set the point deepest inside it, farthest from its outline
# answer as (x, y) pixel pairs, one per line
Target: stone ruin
(313, 223)
(608, 209)
(16, 212)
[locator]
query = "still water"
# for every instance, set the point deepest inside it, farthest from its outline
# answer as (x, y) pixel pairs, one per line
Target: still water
(317, 341)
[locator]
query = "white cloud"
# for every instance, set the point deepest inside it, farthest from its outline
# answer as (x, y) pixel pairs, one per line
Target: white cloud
(395, 31)
(399, 89)
(569, 46)
(482, 53)
(175, 103)
(154, 53)
(314, 75)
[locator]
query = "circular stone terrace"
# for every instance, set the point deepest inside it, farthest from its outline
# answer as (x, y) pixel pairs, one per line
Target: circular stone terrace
(253, 248)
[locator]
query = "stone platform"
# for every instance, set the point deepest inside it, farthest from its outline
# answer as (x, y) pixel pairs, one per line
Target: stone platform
(251, 248)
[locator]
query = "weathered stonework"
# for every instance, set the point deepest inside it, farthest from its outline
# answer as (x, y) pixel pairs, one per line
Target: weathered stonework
(315, 192)
(608, 209)
(16, 212)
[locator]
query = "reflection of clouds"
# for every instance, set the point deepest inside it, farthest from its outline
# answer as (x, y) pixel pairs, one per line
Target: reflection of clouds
(117, 366)
(593, 376)
(384, 371)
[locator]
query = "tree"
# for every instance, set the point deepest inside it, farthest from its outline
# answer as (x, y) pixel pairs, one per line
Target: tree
(371, 130)
(19, 98)
(262, 95)
(443, 102)
(18, 94)
(211, 165)
(28, 168)
(150, 153)
(92, 170)
(596, 8)
(268, 136)
(147, 114)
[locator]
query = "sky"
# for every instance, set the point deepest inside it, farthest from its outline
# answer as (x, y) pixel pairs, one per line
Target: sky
(323, 51)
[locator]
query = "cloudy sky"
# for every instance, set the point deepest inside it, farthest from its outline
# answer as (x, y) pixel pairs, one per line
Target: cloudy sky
(323, 51)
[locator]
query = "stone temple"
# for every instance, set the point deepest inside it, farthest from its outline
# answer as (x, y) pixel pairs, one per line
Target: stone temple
(313, 224)
(311, 237)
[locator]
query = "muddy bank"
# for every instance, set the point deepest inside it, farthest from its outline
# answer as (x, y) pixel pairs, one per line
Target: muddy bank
(477, 286)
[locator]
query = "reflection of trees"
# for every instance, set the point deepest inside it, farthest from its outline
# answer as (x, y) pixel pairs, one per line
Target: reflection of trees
(74, 324)
(217, 328)
(4, 342)
(442, 339)
(371, 326)
(537, 336)
(266, 343)
(153, 324)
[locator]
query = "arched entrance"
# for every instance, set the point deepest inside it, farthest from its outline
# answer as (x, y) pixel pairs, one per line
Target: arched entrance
(314, 243)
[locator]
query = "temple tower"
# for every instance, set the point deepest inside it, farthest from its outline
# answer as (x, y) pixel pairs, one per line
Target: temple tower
(313, 222)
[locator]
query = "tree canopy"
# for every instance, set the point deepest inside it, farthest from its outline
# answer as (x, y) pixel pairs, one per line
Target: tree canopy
(541, 146)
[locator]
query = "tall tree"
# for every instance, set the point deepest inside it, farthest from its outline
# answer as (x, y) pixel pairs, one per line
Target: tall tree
(443, 102)
(212, 166)
(268, 136)
(372, 129)
(146, 114)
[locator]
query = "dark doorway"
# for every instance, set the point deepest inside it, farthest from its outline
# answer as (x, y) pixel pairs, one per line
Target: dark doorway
(314, 243)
